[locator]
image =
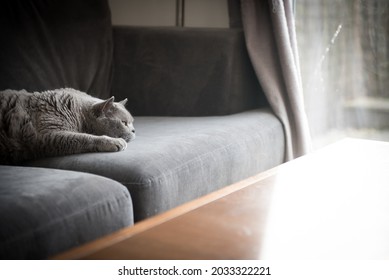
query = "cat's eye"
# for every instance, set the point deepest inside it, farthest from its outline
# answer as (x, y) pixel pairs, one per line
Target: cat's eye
(125, 123)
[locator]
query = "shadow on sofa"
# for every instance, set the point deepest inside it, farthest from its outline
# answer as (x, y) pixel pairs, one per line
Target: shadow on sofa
(202, 122)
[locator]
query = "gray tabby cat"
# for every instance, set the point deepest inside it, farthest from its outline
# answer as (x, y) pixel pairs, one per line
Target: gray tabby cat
(60, 122)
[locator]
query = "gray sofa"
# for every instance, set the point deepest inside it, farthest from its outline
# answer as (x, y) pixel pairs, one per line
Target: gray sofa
(202, 123)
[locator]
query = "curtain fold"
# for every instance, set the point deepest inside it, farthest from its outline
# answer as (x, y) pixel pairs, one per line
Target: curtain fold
(271, 43)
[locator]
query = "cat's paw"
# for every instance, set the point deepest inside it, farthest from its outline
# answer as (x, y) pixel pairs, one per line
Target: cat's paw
(120, 144)
(110, 144)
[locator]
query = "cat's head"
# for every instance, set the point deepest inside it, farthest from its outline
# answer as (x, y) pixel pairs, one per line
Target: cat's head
(113, 119)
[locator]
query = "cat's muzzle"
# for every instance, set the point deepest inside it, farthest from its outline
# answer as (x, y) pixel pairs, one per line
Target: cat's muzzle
(129, 137)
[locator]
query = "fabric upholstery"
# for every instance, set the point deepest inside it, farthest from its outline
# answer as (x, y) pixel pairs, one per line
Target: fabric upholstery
(184, 71)
(44, 212)
(271, 41)
(177, 159)
(55, 44)
(162, 71)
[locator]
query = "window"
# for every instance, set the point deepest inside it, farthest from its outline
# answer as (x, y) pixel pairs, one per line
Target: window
(344, 58)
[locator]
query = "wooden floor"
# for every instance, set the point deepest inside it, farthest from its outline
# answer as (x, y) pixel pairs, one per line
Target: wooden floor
(331, 204)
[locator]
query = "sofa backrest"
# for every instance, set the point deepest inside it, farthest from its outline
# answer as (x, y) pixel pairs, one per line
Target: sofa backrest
(184, 71)
(54, 44)
(162, 71)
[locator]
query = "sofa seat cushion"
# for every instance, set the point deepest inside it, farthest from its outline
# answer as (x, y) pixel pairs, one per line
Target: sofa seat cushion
(45, 211)
(176, 159)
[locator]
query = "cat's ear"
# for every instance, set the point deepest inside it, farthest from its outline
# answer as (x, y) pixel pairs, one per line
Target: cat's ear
(104, 106)
(123, 102)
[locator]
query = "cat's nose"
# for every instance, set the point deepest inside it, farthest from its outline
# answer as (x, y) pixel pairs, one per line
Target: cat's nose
(133, 131)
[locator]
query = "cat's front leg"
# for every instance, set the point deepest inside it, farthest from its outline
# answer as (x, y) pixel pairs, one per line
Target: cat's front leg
(66, 143)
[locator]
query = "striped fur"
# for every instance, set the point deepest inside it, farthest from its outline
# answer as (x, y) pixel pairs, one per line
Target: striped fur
(60, 122)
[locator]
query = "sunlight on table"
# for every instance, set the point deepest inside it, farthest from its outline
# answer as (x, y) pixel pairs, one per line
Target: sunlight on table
(336, 208)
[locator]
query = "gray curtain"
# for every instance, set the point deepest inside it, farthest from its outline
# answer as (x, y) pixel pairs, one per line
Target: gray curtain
(271, 42)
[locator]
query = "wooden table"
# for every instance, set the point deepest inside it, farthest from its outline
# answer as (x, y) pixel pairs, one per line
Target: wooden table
(330, 204)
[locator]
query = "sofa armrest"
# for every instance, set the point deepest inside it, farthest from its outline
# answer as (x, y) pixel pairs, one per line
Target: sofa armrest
(184, 71)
